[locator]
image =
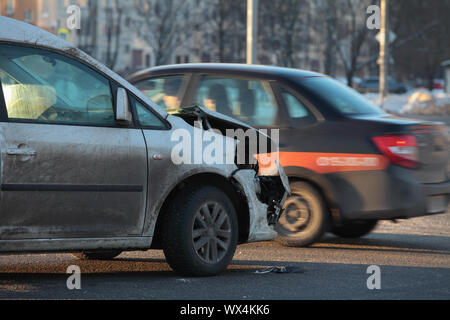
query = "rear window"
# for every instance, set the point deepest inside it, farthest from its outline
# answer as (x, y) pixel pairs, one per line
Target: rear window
(340, 97)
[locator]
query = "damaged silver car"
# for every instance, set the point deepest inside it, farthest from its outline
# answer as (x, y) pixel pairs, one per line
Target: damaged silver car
(87, 166)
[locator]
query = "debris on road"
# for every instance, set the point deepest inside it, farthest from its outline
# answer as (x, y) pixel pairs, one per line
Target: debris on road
(288, 269)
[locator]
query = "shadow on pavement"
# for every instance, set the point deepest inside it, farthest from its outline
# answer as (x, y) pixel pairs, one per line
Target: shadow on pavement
(390, 242)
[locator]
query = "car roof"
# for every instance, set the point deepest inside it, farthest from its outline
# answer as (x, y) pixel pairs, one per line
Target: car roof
(14, 31)
(226, 68)
(18, 31)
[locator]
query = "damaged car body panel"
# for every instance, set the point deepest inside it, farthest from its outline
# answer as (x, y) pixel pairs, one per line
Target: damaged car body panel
(84, 180)
(254, 150)
(246, 180)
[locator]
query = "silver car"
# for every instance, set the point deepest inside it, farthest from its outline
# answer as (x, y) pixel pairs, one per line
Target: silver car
(87, 166)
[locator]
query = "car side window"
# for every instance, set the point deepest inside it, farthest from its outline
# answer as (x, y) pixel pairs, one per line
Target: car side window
(296, 109)
(45, 87)
(164, 91)
(250, 101)
(147, 118)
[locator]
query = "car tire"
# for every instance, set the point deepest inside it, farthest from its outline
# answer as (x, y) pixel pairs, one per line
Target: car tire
(199, 232)
(305, 218)
(355, 229)
(97, 255)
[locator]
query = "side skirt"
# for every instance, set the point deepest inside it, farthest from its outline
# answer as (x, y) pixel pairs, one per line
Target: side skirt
(73, 245)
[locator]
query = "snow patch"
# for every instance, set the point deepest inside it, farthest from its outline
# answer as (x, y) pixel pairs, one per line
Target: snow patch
(419, 102)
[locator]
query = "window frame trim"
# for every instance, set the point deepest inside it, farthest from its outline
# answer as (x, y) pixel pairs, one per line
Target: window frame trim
(3, 112)
(308, 105)
(132, 101)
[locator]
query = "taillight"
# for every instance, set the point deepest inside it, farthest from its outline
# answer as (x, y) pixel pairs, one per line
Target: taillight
(400, 149)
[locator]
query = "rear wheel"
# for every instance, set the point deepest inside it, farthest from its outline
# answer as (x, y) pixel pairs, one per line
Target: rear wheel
(354, 229)
(199, 232)
(97, 255)
(305, 218)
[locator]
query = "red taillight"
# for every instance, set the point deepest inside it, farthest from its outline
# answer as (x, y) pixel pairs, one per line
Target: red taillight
(400, 149)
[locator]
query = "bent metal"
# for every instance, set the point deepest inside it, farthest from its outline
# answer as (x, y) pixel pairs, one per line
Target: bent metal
(211, 147)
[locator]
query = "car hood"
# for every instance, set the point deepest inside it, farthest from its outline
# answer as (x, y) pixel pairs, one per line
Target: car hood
(199, 112)
(217, 121)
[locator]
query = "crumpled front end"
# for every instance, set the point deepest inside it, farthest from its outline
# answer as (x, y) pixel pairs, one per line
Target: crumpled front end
(262, 179)
(259, 212)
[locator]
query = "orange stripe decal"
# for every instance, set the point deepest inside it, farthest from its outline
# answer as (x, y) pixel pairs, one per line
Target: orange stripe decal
(327, 162)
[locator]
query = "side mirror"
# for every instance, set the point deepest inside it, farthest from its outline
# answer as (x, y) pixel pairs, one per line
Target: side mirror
(123, 113)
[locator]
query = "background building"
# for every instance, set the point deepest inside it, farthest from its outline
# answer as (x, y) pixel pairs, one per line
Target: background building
(328, 36)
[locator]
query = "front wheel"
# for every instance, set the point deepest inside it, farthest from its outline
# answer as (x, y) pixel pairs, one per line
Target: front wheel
(200, 232)
(305, 218)
(355, 229)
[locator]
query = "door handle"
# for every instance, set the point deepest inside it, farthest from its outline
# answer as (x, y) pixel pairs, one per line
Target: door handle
(20, 152)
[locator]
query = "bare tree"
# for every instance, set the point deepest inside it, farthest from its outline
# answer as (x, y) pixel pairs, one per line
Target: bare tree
(114, 19)
(230, 29)
(423, 41)
(327, 22)
(223, 10)
(165, 21)
(283, 27)
(223, 24)
(87, 35)
(350, 33)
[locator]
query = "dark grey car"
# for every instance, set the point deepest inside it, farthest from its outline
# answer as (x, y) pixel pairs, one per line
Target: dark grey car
(350, 164)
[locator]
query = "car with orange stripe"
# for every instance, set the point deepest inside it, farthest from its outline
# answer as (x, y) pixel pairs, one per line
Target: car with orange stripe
(350, 164)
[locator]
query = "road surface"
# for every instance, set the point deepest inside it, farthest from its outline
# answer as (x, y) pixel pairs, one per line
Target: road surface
(413, 257)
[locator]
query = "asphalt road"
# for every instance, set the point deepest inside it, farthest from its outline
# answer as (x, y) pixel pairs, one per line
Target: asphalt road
(413, 256)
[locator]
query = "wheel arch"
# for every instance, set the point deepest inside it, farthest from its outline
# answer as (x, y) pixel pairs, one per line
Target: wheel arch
(321, 184)
(231, 189)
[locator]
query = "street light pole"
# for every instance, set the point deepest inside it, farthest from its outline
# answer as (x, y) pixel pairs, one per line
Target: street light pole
(384, 51)
(252, 25)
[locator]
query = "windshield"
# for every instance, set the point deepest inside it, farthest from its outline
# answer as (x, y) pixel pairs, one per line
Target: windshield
(340, 97)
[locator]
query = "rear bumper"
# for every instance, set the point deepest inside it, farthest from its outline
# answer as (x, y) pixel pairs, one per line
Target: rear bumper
(394, 193)
(436, 189)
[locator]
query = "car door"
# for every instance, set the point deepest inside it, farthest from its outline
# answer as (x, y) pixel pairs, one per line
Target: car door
(68, 170)
(303, 129)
